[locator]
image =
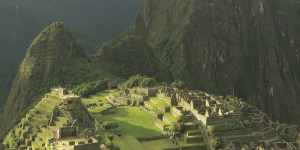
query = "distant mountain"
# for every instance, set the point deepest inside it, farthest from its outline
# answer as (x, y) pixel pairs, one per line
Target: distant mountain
(92, 21)
(250, 49)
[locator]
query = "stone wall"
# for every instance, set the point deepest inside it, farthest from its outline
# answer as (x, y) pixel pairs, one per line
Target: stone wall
(177, 111)
(161, 126)
(257, 125)
(193, 140)
(168, 100)
(288, 137)
(139, 97)
(91, 146)
(117, 100)
(112, 85)
(200, 117)
(66, 131)
(159, 116)
(185, 105)
(148, 106)
(196, 103)
(215, 120)
(151, 138)
(164, 109)
(171, 148)
(245, 139)
(123, 101)
(167, 120)
(233, 132)
(151, 92)
(196, 147)
(267, 134)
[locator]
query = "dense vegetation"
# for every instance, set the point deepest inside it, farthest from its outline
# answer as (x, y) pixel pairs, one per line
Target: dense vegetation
(138, 80)
(92, 22)
(131, 55)
(87, 89)
(251, 52)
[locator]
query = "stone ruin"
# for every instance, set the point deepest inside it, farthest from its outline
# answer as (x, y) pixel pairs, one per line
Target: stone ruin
(66, 132)
(132, 97)
(53, 118)
(61, 91)
(211, 110)
(112, 85)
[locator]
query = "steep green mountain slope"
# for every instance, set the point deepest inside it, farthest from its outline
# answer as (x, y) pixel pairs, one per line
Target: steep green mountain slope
(53, 59)
(92, 21)
(249, 49)
(129, 56)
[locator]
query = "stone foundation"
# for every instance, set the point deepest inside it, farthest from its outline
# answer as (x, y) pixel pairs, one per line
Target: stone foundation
(91, 146)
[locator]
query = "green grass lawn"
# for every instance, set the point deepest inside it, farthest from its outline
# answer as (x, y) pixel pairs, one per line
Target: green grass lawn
(158, 144)
(170, 117)
(94, 98)
(160, 102)
(132, 122)
(154, 107)
(129, 142)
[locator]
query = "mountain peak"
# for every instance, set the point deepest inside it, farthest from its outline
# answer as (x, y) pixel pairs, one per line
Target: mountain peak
(44, 66)
(56, 42)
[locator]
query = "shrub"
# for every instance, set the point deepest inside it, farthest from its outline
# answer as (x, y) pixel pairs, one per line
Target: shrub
(178, 84)
(217, 144)
(87, 89)
(139, 80)
(164, 83)
(106, 126)
(112, 145)
(177, 128)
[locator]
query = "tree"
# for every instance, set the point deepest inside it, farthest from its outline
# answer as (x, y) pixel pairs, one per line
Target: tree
(177, 128)
(110, 144)
(106, 126)
(178, 84)
(139, 80)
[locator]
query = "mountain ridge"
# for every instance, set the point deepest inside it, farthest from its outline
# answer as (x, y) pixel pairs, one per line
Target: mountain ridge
(247, 49)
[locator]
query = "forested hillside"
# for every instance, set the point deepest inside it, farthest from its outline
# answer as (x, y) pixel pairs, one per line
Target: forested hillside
(92, 22)
(248, 49)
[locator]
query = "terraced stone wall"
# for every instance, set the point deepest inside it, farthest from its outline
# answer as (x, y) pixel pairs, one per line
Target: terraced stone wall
(91, 146)
(66, 132)
(145, 91)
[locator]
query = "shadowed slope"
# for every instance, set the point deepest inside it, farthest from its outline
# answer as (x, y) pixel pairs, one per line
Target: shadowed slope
(249, 49)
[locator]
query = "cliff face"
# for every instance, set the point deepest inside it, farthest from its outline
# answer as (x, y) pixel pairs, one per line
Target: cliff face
(249, 49)
(54, 58)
